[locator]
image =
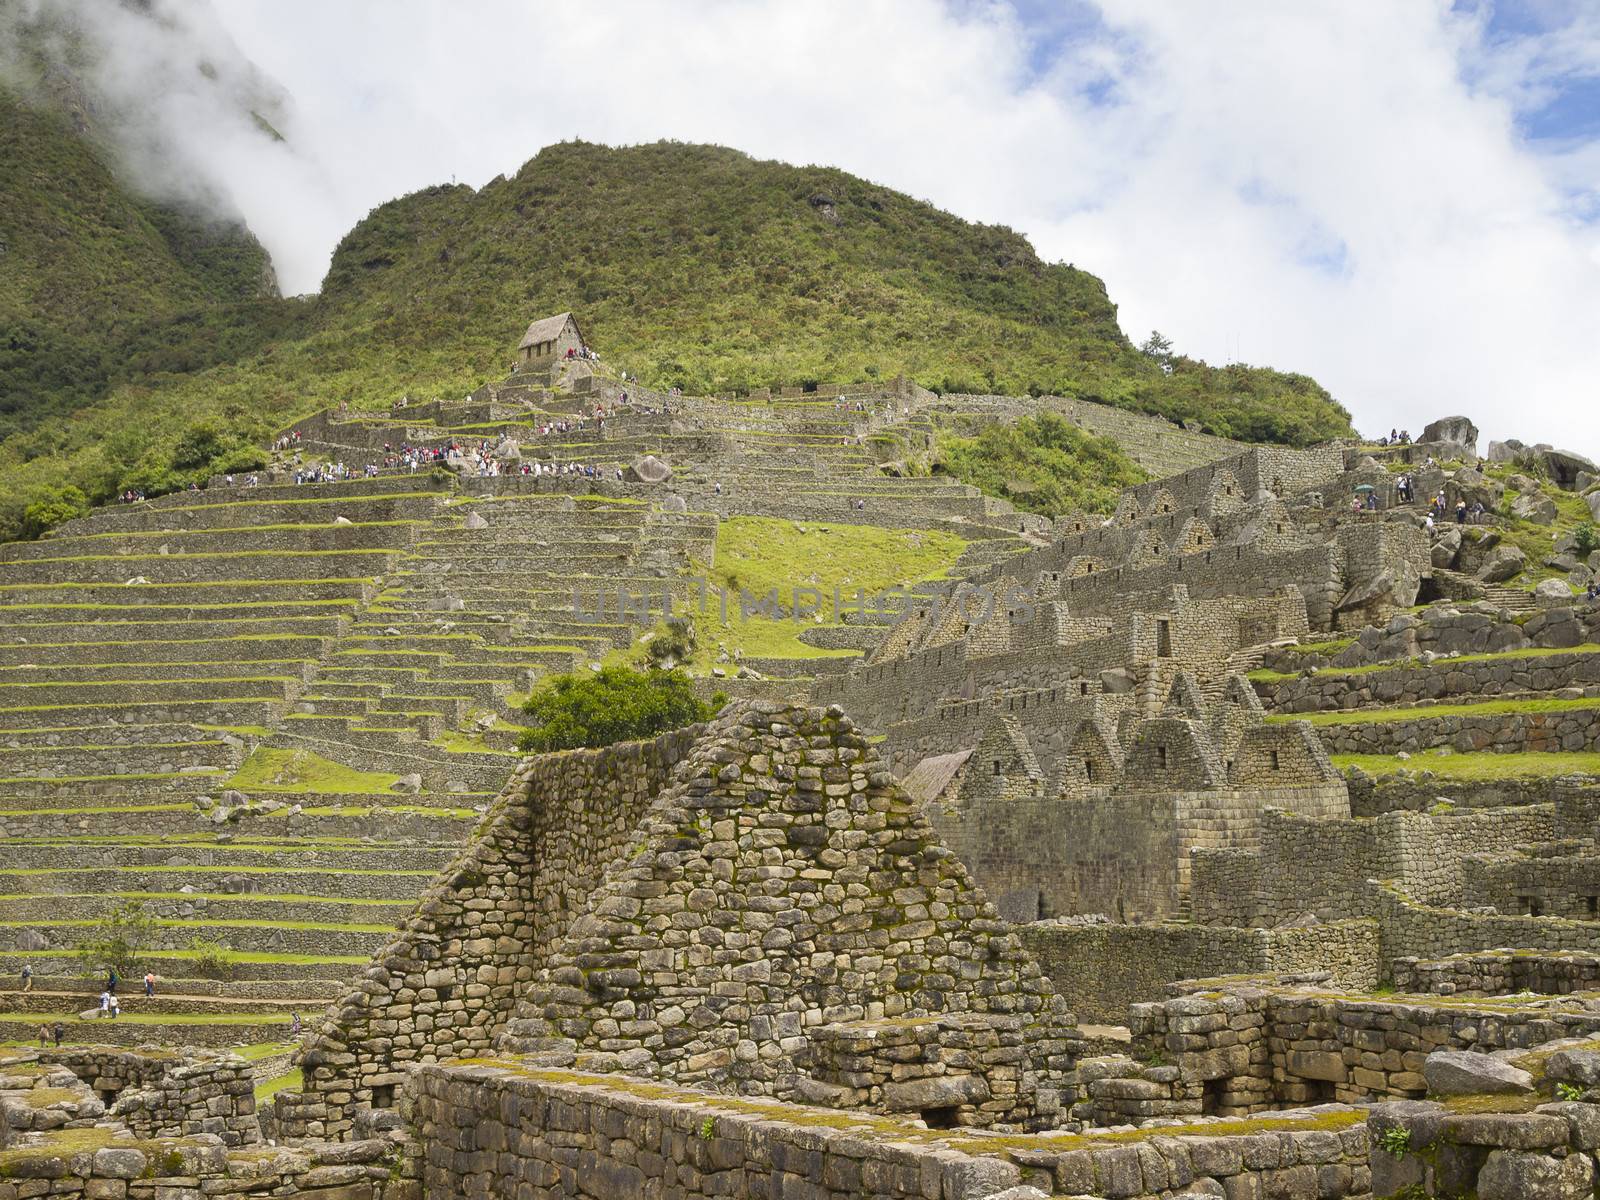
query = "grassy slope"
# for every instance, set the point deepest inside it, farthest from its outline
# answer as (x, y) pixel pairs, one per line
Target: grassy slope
(761, 554)
(689, 265)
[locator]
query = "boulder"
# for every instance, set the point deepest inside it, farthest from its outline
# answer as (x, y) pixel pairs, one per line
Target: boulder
(508, 450)
(1446, 545)
(1581, 1067)
(1505, 451)
(674, 504)
(343, 521)
(1565, 466)
(1553, 589)
(648, 469)
(1117, 680)
(935, 1091)
(1458, 431)
(1502, 563)
(408, 785)
(1535, 507)
(31, 939)
(1466, 1073)
(476, 521)
(1517, 1175)
(1593, 501)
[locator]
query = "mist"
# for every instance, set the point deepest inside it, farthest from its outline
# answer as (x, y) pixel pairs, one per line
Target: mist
(1345, 188)
(186, 118)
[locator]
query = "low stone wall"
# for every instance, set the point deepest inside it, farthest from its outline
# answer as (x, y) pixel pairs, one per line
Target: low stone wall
(1100, 969)
(1372, 796)
(493, 1130)
(1499, 733)
(1498, 973)
(1425, 1149)
(214, 1096)
(1408, 684)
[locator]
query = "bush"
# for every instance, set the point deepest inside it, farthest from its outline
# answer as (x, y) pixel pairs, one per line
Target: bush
(46, 513)
(1042, 464)
(210, 958)
(613, 705)
(1586, 539)
(118, 939)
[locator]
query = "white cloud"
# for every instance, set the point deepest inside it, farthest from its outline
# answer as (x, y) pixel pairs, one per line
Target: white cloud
(1334, 186)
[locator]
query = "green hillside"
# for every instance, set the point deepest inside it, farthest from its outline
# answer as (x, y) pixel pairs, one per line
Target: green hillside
(689, 265)
(91, 272)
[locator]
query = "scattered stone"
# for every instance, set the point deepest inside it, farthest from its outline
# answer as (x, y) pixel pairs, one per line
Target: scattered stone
(409, 785)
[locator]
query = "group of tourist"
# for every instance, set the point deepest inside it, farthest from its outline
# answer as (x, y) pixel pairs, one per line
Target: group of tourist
(1396, 438)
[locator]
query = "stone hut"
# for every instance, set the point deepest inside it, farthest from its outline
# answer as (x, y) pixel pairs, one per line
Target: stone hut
(549, 338)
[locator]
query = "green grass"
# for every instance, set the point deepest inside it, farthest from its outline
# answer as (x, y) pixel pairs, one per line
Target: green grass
(260, 1050)
(1266, 676)
(223, 897)
(758, 554)
(301, 771)
(138, 1018)
(234, 956)
(1478, 766)
(292, 1081)
(1489, 708)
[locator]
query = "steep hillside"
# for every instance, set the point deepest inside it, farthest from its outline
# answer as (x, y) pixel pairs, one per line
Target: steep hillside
(688, 265)
(92, 273)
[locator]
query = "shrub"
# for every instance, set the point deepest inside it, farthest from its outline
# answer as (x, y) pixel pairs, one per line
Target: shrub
(118, 939)
(210, 958)
(1042, 464)
(672, 644)
(1395, 1140)
(1586, 539)
(614, 705)
(46, 513)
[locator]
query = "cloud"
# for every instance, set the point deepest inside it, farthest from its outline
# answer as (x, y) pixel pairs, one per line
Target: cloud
(1391, 198)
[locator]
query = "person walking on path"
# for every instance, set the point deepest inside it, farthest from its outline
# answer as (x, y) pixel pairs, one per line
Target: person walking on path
(105, 1002)
(149, 983)
(294, 1025)
(44, 1036)
(111, 980)
(57, 1030)
(116, 1008)
(27, 977)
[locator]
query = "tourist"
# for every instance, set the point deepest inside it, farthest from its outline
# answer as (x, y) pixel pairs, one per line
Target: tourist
(44, 1036)
(111, 980)
(149, 983)
(1427, 522)
(1461, 512)
(57, 1030)
(1477, 511)
(294, 1025)
(27, 977)
(105, 1001)
(116, 1008)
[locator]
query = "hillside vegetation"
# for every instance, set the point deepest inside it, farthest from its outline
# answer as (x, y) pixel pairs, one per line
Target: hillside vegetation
(692, 266)
(1042, 464)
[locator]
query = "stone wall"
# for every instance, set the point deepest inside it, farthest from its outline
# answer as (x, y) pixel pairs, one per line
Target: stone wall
(1102, 968)
(1323, 865)
(1410, 683)
(211, 1095)
(690, 908)
(501, 1130)
(446, 982)
(1498, 733)
(1499, 973)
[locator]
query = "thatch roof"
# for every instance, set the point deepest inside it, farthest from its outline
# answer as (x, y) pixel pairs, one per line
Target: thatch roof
(547, 329)
(929, 779)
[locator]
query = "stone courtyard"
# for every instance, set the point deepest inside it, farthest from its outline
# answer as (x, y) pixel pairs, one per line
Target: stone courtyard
(1241, 842)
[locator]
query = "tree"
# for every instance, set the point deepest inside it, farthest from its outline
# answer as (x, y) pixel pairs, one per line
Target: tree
(49, 511)
(119, 938)
(614, 705)
(1156, 346)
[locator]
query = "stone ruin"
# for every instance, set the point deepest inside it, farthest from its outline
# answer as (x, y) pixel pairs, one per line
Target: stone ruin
(837, 942)
(750, 898)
